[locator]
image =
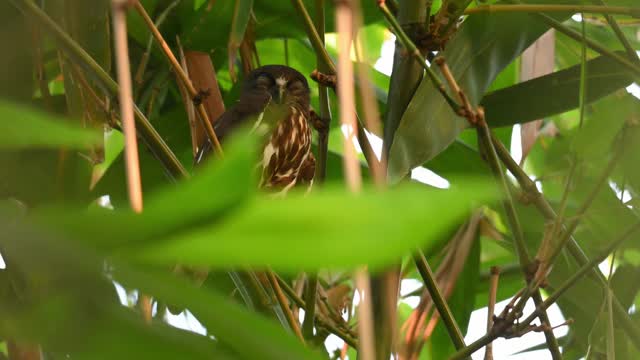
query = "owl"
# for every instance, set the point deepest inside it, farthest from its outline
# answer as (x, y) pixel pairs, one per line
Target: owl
(274, 103)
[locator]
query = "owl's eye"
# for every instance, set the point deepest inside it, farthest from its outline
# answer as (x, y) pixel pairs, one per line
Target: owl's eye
(264, 80)
(296, 85)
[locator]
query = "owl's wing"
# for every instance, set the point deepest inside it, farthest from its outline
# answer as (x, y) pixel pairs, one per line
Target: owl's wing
(248, 108)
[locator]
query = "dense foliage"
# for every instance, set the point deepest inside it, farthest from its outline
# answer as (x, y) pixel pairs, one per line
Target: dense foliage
(69, 238)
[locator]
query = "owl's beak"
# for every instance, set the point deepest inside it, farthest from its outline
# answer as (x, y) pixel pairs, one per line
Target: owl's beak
(277, 95)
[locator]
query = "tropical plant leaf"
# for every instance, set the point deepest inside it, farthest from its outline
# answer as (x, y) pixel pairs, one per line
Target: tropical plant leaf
(554, 93)
(478, 52)
(24, 128)
(268, 231)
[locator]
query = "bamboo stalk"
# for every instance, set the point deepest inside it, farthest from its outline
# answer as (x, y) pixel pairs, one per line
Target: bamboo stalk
(438, 300)
(293, 322)
(134, 184)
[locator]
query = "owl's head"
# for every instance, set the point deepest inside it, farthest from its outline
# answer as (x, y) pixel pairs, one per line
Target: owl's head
(283, 84)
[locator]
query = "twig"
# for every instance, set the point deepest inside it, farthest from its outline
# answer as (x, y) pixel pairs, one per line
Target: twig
(196, 95)
(144, 59)
(310, 311)
(284, 305)
(151, 137)
(126, 104)
(316, 42)
(438, 300)
(369, 104)
(609, 10)
(324, 111)
(493, 290)
(134, 184)
(346, 97)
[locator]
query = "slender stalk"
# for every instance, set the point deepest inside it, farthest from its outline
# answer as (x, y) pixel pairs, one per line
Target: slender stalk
(493, 290)
(520, 245)
(346, 97)
(310, 311)
(151, 137)
(346, 94)
(568, 231)
(610, 10)
(324, 111)
(438, 300)
(465, 352)
(132, 162)
(284, 305)
(175, 65)
(316, 42)
(144, 59)
(369, 103)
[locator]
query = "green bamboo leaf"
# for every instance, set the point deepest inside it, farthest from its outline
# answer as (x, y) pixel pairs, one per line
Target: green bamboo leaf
(217, 188)
(480, 50)
(22, 127)
(50, 281)
(554, 93)
(327, 228)
(249, 335)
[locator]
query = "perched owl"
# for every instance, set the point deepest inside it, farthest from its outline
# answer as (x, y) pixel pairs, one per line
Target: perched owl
(274, 102)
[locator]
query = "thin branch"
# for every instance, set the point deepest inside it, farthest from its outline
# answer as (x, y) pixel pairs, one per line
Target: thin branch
(316, 42)
(196, 95)
(493, 290)
(144, 59)
(132, 161)
(324, 111)
(310, 311)
(284, 305)
(438, 300)
(610, 10)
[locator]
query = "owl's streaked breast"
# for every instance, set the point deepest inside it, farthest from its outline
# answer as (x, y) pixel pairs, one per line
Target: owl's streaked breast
(287, 156)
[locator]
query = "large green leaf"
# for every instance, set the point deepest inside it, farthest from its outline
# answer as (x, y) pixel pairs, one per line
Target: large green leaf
(22, 128)
(327, 228)
(49, 282)
(52, 280)
(484, 45)
(554, 93)
(214, 191)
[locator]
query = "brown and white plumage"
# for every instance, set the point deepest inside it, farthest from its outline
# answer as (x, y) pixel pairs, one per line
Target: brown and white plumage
(276, 99)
